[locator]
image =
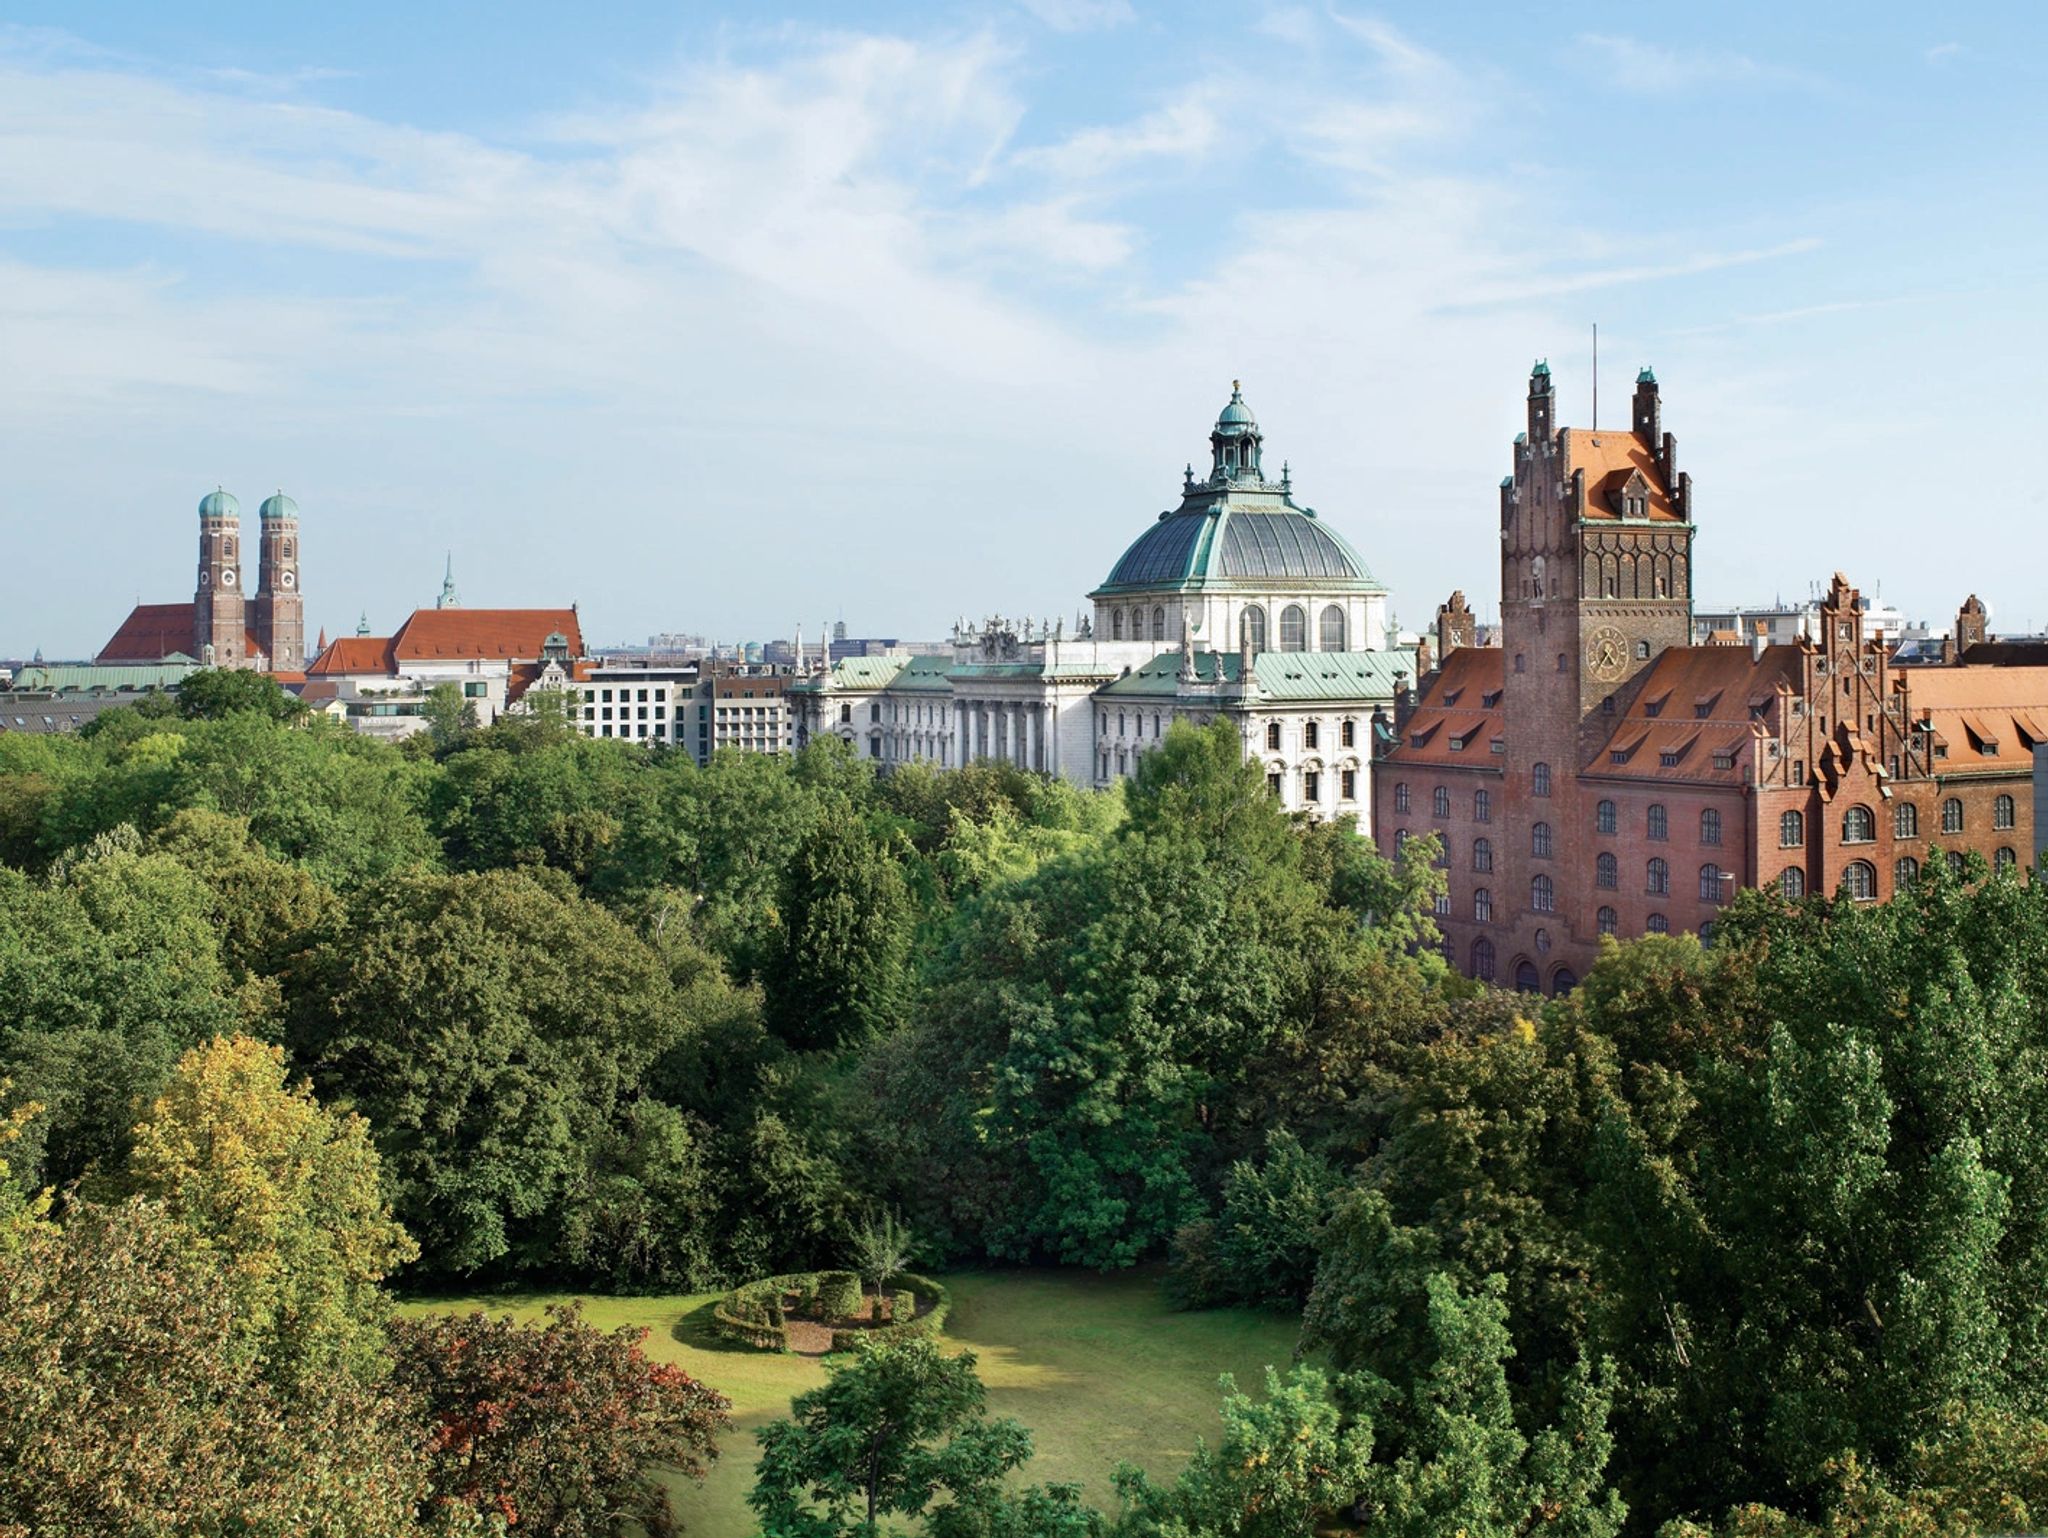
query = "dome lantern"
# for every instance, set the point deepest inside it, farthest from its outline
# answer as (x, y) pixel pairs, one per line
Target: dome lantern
(1236, 442)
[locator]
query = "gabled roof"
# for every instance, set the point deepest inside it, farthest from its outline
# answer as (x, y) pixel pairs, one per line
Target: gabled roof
(1691, 718)
(434, 635)
(2002, 709)
(1610, 459)
(152, 632)
(1457, 715)
(354, 655)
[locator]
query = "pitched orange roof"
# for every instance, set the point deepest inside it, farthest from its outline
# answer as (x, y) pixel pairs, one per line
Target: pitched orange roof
(354, 654)
(1974, 708)
(1611, 459)
(437, 634)
(150, 633)
(1457, 714)
(1695, 709)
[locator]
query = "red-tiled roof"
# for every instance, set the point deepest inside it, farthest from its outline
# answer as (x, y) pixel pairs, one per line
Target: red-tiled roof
(525, 675)
(352, 655)
(436, 634)
(1695, 704)
(150, 633)
(154, 631)
(1610, 459)
(1974, 708)
(1453, 723)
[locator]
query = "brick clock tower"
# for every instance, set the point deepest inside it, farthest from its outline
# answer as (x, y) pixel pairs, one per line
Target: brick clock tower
(280, 609)
(218, 628)
(1596, 580)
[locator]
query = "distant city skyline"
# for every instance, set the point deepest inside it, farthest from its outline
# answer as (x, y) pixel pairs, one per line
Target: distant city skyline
(704, 322)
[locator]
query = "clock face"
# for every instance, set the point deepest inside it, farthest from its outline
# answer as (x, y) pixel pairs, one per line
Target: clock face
(1606, 653)
(227, 577)
(288, 580)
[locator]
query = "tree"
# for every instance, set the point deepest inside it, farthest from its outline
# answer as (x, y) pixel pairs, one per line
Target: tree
(558, 1428)
(492, 1028)
(1283, 1464)
(135, 1403)
(214, 693)
(449, 717)
(283, 1195)
(841, 971)
(893, 1426)
(880, 1249)
(1262, 1248)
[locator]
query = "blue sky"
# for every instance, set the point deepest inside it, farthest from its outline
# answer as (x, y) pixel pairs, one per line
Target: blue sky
(728, 319)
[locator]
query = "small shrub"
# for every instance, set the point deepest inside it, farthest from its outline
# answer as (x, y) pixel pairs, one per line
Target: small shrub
(902, 1306)
(1195, 1276)
(839, 1294)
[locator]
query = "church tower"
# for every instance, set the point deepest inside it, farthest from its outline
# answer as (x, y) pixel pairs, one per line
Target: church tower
(219, 633)
(280, 608)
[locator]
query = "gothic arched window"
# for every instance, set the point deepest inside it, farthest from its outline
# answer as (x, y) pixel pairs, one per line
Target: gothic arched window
(1792, 884)
(1906, 820)
(1858, 826)
(1539, 840)
(1860, 881)
(1658, 824)
(1603, 817)
(1255, 626)
(2002, 812)
(1482, 959)
(1401, 797)
(1710, 826)
(1791, 831)
(1116, 624)
(1440, 802)
(1482, 906)
(1659, 878)
(1952, 815)
(1710, 883)
(1610, 921)
(1657, 924)
(1525, 977)
(1159, 623)
(1293, 628)
(1482, 806)
(2004, 860)
(1542, 895)
(1482, 854)
(1905, 871)
(1606, 870)
(1539, 780)
(1331, 627)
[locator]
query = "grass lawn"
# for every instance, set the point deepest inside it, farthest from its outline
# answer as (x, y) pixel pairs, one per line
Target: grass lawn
(1098, 1367)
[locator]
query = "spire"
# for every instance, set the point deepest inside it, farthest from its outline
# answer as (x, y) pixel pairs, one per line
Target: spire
(448, 598)
(320, 645)
(363, 624)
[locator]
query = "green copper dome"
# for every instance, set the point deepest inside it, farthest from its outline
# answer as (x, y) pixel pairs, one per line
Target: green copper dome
(1237, 414)
(219, 504)
(279, 506)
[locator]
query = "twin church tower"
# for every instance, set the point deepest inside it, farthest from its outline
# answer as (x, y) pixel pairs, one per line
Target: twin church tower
(229, 630)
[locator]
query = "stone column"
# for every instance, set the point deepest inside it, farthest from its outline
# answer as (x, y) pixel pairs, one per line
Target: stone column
(1034, 723)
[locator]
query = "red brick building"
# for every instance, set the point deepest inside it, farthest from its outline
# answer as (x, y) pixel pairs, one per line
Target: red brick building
(1597, 774)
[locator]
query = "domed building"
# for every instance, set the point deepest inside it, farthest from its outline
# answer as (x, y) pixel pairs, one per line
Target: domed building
(1239, 603)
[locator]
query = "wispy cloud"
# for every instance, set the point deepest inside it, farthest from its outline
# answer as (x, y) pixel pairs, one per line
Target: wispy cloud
(1080, 15)
(1941, 52)
(1655, 69)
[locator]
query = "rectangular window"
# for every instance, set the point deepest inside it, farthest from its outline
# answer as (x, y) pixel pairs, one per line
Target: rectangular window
(1312, 786)
(475, 691)
(1350, 734)
(1309, 734)
(1273, 735)
(1349, 784)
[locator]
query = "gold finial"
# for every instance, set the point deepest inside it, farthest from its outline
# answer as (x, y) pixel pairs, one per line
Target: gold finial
(1236, 387)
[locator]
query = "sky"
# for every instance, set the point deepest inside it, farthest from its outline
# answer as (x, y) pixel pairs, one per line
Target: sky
(728, 319)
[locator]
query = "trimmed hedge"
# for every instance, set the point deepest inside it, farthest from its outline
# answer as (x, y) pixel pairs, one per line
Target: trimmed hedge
(753, 1315)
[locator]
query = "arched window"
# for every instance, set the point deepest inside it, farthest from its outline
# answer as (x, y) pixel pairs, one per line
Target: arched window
(1332, 628)
(1710, 826)
(1606, 871)
(2001, 812)
(1610, 921)
(875, 711)
(1905, 871)
(1255, 626)
(1955, 861)
(1482, 959)
(1539, 840)
(1657, 924)
(1791, 831)
(1858, 826)
(1401, 797)
(1525, 977)
(1659, 875)
(1603, 817)
(1440, 802)
(1658, 824)
(1293, 629)
(1539, 779)
(1951, 816)
(1792, 884)
(846, 713)
(2004, 860)
(1860, 881)
(1562, 982)
(1482, 854)
(1710, 883)
(1116, 624)
(1542, 895)
(1482, 906)
(1482, 806)
(1906, 820)
(1159, 623)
